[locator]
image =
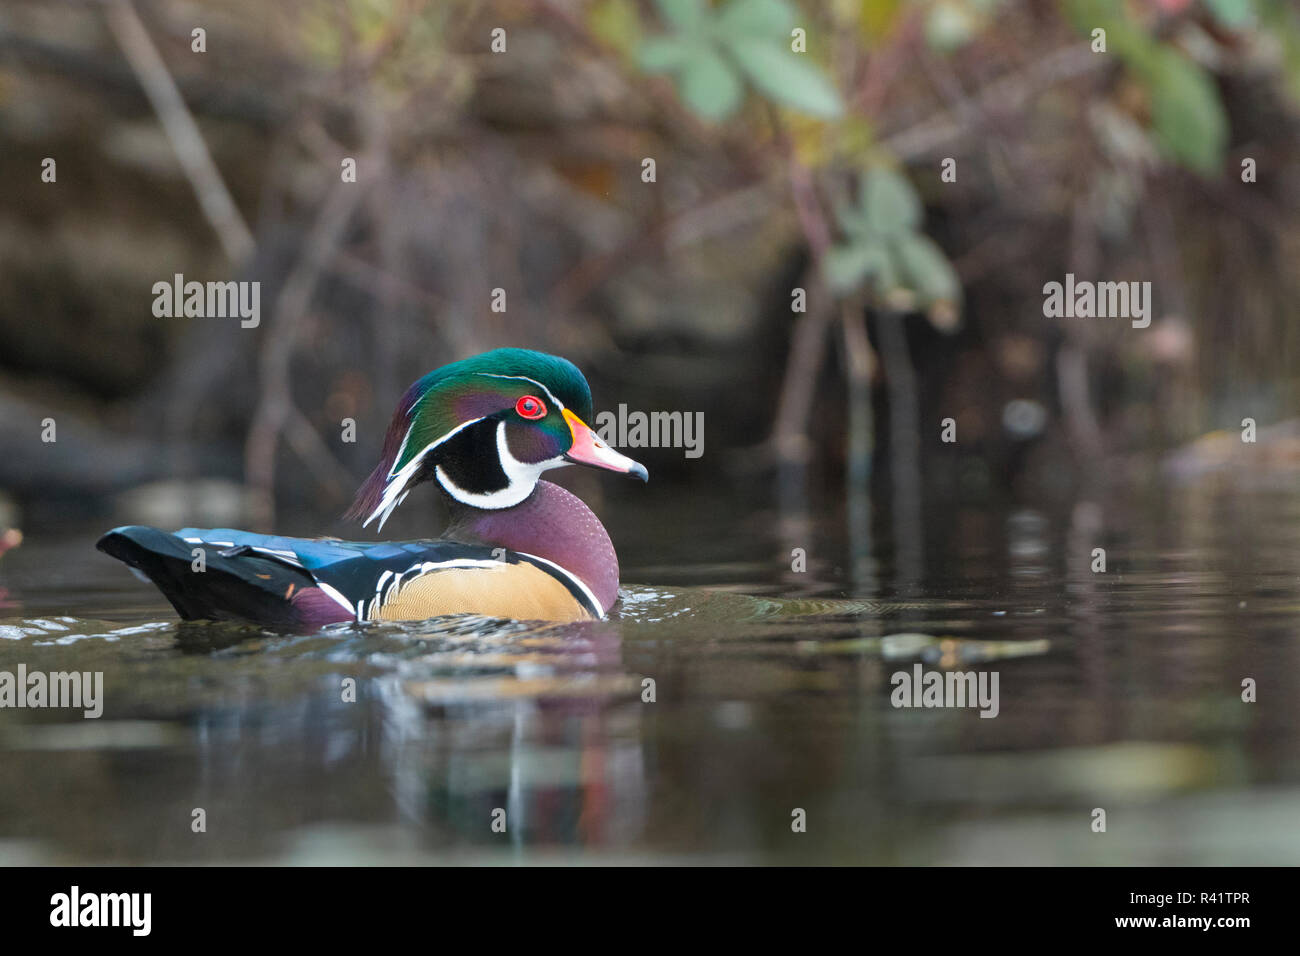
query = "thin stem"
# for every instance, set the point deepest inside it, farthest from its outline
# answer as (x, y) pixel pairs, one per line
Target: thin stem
(178, 123)
(904, 451)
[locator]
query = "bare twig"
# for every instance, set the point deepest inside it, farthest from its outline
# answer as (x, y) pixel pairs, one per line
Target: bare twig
(794, 405)
(579, 282)
(1001, 96)
(312, 449)
(804, 192)
(1072, 379)
(904, 449)
(1072, 358)
(888, 63)
(275, 407)
(860, 363)
(808, 343)
(181, 130)
(973, 113)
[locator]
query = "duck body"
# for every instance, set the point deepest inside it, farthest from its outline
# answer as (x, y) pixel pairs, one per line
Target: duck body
(515, 546)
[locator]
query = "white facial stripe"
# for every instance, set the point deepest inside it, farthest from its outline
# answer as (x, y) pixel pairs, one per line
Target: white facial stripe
(396, 490)
(516, 470)
(401, 448)
(433, 444)
(522, 476)
(524, 378)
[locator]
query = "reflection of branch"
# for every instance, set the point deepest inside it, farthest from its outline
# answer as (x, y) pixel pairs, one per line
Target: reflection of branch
(181, 130)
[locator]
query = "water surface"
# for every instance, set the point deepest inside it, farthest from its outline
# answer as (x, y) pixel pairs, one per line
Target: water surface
(772, 689)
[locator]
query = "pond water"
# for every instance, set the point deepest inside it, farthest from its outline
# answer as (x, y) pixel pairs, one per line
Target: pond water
(772, 689)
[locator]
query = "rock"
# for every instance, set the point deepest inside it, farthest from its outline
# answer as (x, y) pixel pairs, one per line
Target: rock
(172, 504)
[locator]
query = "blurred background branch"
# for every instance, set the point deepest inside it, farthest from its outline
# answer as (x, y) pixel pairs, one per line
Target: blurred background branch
(933, 161)
(214, 199)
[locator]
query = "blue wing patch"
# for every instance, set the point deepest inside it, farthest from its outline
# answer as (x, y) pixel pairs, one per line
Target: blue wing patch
(362, 573)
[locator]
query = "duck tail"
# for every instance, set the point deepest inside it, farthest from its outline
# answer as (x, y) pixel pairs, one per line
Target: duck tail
(213, 584)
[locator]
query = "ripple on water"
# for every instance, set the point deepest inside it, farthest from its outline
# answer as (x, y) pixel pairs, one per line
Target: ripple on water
(1120, 690)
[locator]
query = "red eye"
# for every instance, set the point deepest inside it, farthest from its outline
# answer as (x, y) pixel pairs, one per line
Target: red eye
(530, 407)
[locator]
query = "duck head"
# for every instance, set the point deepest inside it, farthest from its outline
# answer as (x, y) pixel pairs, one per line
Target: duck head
(485, 429)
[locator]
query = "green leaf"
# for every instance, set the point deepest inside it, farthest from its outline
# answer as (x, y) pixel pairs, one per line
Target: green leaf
(786, 77)
(855, 222)
(1191, 125)
(1084, 15)
(847, 267)
(888, 202)
(665, 54)
(925, 269)
(1123, 36)
(709, 86)
(686, 15)
(764, 18)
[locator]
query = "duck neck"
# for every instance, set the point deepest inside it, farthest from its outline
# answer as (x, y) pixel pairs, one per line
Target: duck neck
(551, 524)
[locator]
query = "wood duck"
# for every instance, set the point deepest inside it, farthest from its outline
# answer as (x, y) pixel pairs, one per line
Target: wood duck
(482, 430)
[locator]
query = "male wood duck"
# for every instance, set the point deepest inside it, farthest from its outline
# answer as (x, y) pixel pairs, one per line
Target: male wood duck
(482, 430)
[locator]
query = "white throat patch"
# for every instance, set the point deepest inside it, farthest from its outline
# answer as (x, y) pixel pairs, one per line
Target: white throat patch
(522, 477)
